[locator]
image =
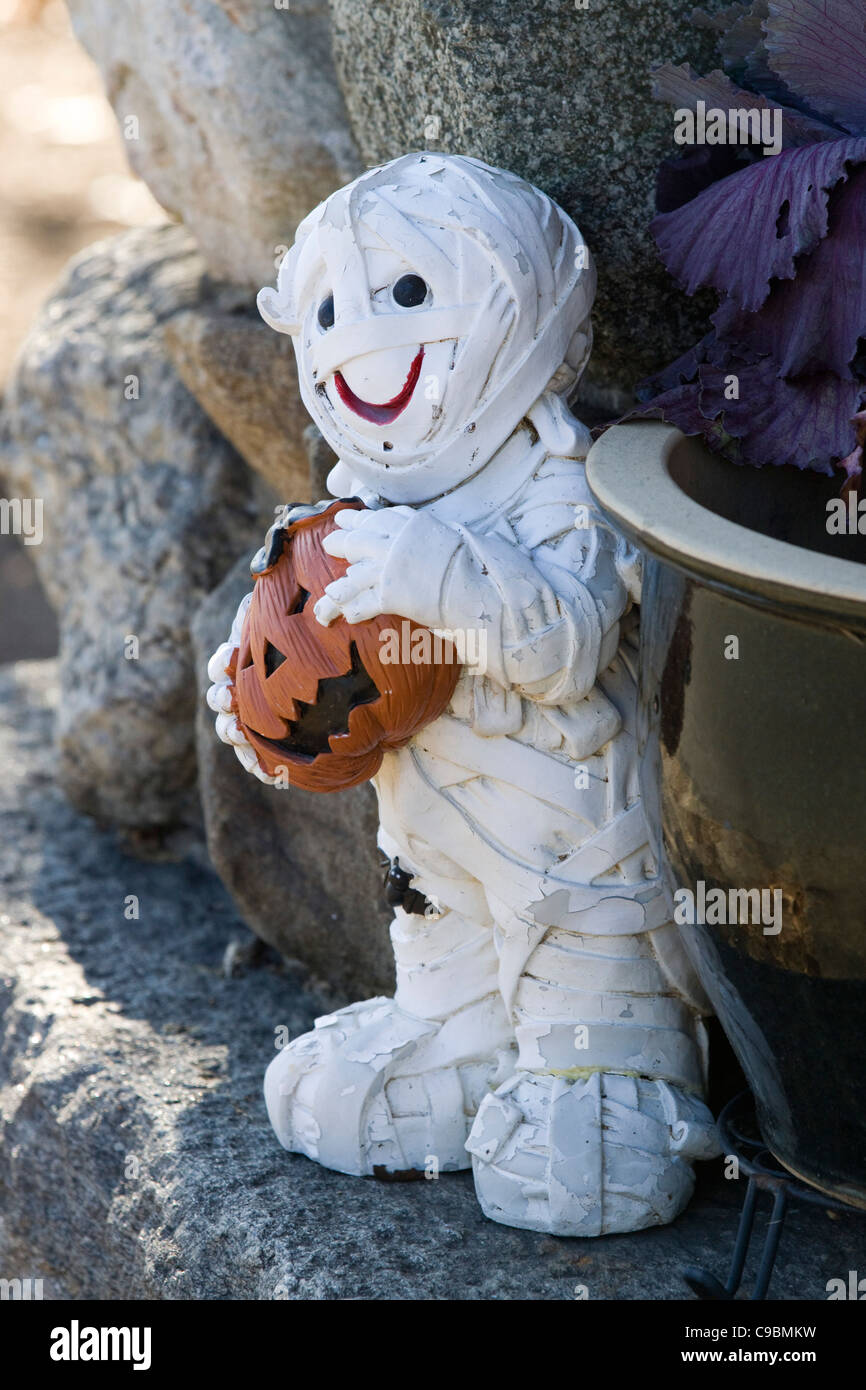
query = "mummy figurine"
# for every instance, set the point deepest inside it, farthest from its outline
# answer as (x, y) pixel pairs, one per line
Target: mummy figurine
(546, 1027)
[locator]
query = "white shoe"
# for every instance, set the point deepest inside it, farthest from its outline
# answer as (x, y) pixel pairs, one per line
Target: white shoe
(373, 1090)
(594, 1156)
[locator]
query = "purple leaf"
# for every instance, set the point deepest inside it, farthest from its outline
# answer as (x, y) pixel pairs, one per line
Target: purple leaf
(681, 406)
(853, 464)
(748, 229)
(743, 51)
(818, 47)
(745, 56)
(711, 349)
(679, 373)
(683, 177)
(683, 88)
(814, 323)
(779, 381)
(807, 423)
(720, 20)
(743, 37)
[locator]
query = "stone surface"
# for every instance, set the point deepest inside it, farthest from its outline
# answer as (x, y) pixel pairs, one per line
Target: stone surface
(321, 460)
(303, 867)
(560, 95)
(244, 377)
(136, 1158)
(145, 508)
(28, 624)
(232, 116)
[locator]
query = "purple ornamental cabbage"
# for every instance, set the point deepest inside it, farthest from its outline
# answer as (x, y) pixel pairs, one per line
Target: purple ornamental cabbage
(781, 239)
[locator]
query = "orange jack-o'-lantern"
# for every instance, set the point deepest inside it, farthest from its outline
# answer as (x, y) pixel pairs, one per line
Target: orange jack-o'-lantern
(322, 704)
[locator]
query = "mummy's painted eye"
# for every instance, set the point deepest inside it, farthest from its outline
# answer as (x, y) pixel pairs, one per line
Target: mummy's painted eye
(326, 312)
(410, 291)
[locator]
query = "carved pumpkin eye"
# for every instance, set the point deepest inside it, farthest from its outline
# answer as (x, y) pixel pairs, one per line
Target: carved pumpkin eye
(410, 291)
(273, 658)
(326, 313)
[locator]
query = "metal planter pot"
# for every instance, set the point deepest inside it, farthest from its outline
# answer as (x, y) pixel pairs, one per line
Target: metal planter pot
(754, 768)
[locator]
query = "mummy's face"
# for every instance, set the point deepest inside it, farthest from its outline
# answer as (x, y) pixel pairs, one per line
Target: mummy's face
(429, 302)
(382, 331)
(379, 350)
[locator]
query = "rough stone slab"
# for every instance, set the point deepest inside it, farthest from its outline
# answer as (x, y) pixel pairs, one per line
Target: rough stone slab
(244, 377)
(302, 867)
(145, 507)
(560, 95)
(238, 127)
(123, 1040)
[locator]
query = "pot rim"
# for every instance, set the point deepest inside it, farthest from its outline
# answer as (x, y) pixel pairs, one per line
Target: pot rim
(628, 471)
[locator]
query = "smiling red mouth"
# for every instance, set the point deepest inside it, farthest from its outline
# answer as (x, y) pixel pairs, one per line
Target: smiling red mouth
(389, 410)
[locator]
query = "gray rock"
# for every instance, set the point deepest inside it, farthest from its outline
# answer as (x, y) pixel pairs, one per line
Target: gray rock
(28, 626)
(244, 377)
(136, 1160)
(232, 116)
(560, 95)
(321, 460)
(302, 867)
(145, 507)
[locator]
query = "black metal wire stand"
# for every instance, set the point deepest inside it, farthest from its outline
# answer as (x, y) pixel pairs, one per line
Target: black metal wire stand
(741, 1138)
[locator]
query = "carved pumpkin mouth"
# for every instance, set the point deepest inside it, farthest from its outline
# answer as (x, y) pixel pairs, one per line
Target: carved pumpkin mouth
(389, 410)
(328, 715)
